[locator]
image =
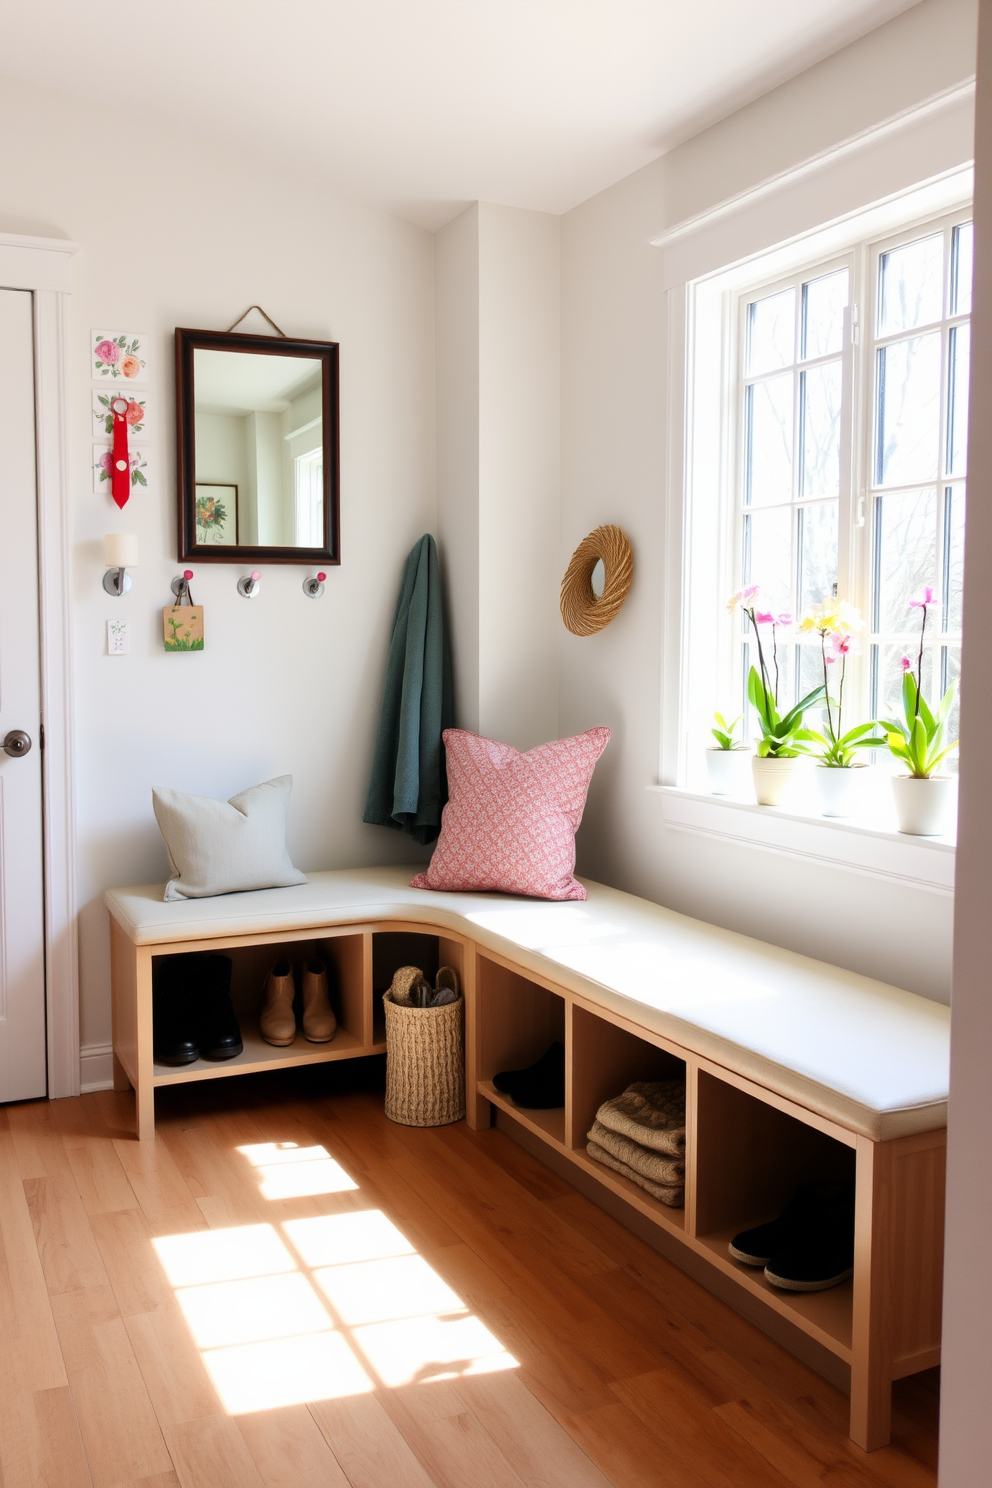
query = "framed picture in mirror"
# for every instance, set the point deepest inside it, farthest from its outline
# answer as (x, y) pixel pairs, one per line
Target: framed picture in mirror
(257, 436)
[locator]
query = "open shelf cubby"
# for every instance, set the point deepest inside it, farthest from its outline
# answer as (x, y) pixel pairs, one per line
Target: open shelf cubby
(605, 1059)
(517, 1019)
(342, 955)
(750, 1157)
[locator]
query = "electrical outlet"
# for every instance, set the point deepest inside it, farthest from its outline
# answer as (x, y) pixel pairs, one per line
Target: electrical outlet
(117, 638)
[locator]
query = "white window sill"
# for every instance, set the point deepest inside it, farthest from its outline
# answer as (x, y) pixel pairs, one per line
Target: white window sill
(869, 844)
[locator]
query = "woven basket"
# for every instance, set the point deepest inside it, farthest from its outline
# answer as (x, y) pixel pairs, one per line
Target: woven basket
(425, 1063)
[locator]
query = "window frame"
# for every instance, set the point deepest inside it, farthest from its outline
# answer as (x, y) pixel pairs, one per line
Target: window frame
(857, 491)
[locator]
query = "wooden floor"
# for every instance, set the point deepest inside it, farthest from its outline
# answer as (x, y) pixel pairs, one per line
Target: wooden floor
(571, 1356)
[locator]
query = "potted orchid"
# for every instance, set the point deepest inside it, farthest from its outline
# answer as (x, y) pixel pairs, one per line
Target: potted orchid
(919, 741)
(783, 738)
(725, 759)
(838, 771)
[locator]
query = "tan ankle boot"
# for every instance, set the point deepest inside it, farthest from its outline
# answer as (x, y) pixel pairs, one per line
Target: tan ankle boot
(319, 1022)
(277, 1024)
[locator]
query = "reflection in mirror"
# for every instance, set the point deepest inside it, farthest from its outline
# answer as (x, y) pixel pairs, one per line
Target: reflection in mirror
(259, 450)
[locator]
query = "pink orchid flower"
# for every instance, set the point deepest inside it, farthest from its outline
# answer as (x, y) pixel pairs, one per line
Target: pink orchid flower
(842, 643)
(764, 617)
(906, 663)
(785, 618)
(927, 596)
(744, 597)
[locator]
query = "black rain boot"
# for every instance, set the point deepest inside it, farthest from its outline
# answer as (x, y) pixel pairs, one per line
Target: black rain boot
(174, 1022)
(539, 1088)
(217, 1025)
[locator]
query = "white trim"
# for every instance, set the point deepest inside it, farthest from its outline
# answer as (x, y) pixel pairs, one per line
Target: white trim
(924, 862)
(35, 263)
(924, 144)
(938, 103)
(96, 1068)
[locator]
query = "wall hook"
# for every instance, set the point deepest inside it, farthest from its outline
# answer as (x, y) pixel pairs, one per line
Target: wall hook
(250, 585)
(313, 587)
(180, 585)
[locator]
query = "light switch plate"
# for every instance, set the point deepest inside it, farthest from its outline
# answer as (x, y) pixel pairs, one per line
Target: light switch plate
(117, 638)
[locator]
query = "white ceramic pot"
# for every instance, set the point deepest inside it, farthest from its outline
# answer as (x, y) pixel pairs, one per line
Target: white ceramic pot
(840, 788)
(923, 807)
(728, 768)
(773, 778)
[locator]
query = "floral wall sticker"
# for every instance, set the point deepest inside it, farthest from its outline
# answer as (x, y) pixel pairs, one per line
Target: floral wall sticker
(120, 355)
(103, 462)
(103, 419)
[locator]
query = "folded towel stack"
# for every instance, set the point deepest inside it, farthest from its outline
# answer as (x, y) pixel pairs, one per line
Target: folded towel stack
(641, 1134)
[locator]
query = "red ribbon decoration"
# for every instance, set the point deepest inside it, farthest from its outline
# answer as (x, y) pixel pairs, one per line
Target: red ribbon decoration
(120, 470)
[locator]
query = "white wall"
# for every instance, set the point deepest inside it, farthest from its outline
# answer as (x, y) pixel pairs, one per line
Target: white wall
(966, 1423)
(498, 377)
(190, 236)
(614, 469)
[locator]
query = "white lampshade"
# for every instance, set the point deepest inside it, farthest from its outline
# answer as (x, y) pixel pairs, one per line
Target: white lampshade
(120, 550)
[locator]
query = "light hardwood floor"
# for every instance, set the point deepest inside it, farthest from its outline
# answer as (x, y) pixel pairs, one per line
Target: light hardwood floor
(126, 1364)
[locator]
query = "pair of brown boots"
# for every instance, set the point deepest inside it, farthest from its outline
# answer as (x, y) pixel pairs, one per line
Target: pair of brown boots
(278, 1021)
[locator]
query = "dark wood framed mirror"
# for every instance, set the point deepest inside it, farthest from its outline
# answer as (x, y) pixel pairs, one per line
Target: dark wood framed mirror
(257, 456)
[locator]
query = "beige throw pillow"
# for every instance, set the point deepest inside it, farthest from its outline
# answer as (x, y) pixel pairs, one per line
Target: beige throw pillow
(225, 847)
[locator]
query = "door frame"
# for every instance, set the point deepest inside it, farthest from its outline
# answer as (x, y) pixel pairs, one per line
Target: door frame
(41, 265)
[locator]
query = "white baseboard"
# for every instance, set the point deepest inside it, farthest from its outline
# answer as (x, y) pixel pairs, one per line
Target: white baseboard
(96, 1070)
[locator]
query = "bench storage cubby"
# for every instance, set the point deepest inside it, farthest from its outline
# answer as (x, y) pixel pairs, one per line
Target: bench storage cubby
(795, 1071)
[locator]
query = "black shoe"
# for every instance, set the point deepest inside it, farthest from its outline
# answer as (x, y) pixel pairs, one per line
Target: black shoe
(541, 1087)
(219, 1033)
(174, 1023)
(822, 1255)
(800, 1221)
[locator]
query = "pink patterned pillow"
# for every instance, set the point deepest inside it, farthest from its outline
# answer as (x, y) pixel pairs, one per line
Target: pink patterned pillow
(511, 818)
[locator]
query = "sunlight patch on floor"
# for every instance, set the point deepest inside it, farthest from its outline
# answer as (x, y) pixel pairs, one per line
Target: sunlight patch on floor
(318, 1308)
(287, 1171)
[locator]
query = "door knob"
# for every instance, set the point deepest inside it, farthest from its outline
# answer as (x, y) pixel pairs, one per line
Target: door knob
(17, 743)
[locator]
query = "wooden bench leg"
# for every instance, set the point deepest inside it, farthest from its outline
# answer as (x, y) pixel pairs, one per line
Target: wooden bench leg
(871, 1348)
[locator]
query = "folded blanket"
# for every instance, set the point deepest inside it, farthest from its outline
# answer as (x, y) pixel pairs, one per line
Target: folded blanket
(667, 1171)
(651, 1113)
(670, 1194)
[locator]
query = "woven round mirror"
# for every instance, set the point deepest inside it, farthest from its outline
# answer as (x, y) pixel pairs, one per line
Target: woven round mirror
(582, 609)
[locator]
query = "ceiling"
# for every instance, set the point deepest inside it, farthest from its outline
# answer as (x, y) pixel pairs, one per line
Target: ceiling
(423, 105)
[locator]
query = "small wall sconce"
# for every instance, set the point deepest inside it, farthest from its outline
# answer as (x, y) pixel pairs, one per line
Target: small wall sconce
(250, 586)
(313, 587)
(120, 552)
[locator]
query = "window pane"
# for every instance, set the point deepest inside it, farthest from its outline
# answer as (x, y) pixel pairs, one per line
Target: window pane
(824, 302)
(957, 398)
(769, 441)
(961, 276)
(908, 411)
(905, 556)
(810, 676)
(821, 390)
(888, 675)
(911, 285)
(953, 581)
(771, 332)
(768, 556)
(817, 554)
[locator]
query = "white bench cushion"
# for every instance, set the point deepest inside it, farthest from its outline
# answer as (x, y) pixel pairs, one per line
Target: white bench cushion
(869, 1056)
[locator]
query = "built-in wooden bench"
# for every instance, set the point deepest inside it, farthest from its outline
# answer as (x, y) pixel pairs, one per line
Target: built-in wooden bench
(796, 1071)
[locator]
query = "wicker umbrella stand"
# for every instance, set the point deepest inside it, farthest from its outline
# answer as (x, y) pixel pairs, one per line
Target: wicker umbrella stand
(425, 1063)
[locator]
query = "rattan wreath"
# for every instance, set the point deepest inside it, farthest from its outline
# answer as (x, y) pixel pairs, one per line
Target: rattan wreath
(581, 611)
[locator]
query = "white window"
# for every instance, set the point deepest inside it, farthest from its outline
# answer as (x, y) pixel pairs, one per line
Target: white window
(848, 447)
(310, 498)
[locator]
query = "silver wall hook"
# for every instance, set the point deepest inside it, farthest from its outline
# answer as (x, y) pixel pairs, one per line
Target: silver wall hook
(250, 585)
(312, 587)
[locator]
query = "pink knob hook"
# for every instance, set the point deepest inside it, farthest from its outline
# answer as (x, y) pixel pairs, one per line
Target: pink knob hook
(321, 577)
(187, 573)
(256, 576)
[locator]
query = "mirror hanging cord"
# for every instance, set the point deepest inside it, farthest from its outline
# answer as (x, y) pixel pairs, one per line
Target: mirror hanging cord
(262, 313)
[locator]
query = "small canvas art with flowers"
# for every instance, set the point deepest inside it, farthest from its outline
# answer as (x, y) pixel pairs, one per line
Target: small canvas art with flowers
(103, 419)
(120, 355)
(103, 460)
